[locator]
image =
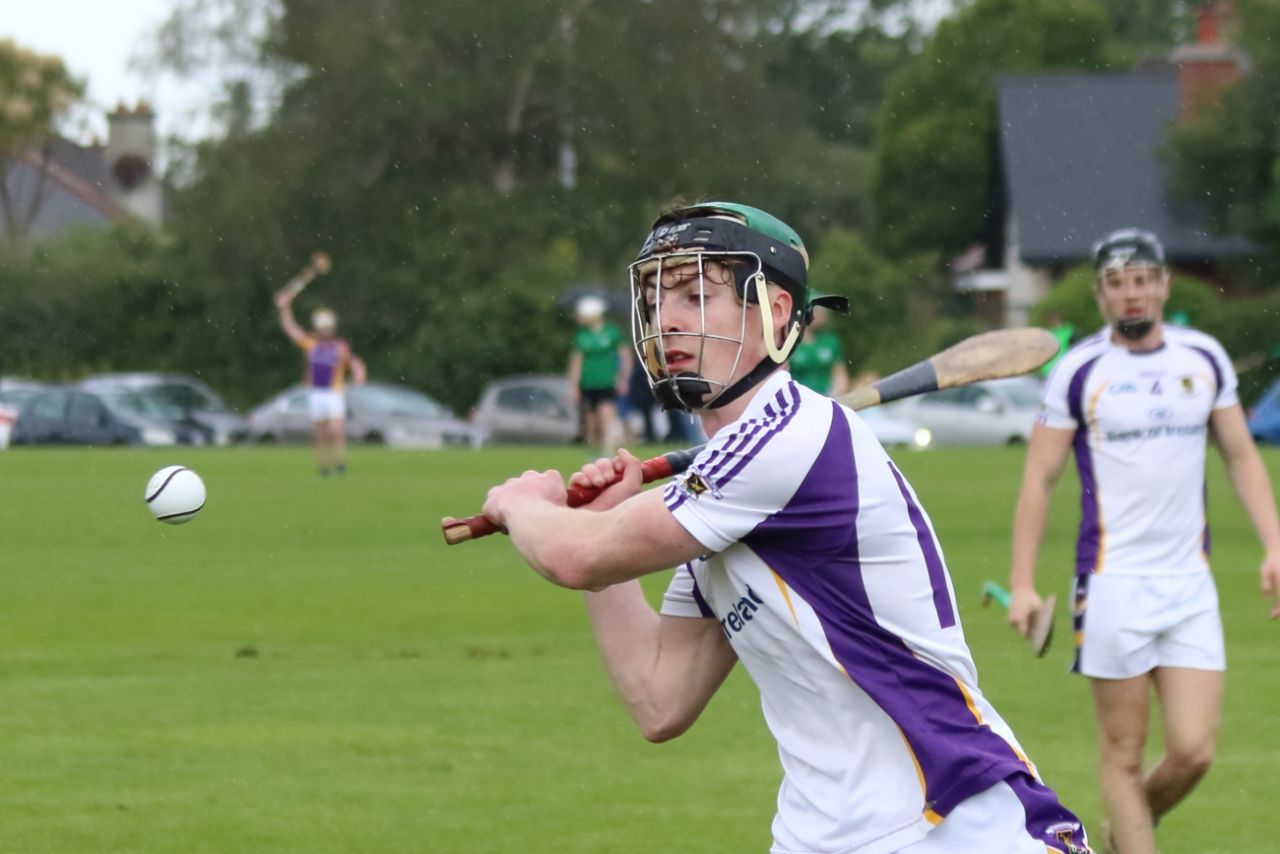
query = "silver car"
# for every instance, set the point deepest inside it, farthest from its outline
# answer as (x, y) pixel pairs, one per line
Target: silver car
(527, 408)
(377, 413)
(997, 412)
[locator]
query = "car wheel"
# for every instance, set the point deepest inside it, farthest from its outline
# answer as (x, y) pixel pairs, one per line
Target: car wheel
(267, 439)
(1015, 442)
(374, 438)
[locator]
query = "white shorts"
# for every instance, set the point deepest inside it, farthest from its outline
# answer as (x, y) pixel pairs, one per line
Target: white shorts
(326, 404)
(1128, 625)
(1018, 816)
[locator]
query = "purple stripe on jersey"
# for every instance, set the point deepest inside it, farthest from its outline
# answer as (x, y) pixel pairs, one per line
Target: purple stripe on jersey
(773, 429)
(1089, 539)
(761, 432)
(813, 545)
(673, 496)
(697, 594)
(1048, 821)
(1204, 489)
(1075, 389)
(929, 548)
(739, 438)
(1077, 617)
(1217, 371)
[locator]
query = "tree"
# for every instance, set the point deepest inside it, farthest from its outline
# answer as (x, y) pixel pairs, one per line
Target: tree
(36, 91)
(935, 135)
(1227, 159)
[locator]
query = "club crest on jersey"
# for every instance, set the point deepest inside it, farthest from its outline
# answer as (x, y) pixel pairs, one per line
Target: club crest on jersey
(1067, 833)
(695, 485)
(1188, 384)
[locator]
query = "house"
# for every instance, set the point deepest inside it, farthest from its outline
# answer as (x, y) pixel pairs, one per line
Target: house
(1080, 155)
(67, 184)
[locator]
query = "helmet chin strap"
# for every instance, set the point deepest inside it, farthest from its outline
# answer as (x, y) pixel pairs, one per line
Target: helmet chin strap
(1134, 329)
(776, 355)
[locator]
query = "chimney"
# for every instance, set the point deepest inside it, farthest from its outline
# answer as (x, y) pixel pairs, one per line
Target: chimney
(1210, 65)
(130, 154)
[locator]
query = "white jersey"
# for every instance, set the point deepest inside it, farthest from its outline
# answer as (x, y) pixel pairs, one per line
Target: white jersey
(1141, 422)
(826, 577)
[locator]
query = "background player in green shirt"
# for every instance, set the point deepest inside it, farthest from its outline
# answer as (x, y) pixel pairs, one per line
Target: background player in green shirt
(599, 367)
(818, 360)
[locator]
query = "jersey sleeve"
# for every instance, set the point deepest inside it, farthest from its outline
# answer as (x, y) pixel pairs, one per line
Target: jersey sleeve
(683, 598)
(1224, 374)
(742, 477)
(307, 343)
(1055, 408)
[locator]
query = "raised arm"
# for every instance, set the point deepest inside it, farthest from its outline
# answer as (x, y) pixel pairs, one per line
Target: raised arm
(1253, 486)
(1046, 454)
(284, 306)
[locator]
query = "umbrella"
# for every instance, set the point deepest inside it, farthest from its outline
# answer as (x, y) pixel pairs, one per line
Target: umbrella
(616, 302)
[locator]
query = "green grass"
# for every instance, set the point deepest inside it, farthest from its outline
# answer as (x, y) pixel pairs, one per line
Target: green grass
(307, 668)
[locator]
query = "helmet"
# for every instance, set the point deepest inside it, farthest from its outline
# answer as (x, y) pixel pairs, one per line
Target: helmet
(758, 248)
(1125, 247)
(589, 307)
(1128, 247)
(324, 320)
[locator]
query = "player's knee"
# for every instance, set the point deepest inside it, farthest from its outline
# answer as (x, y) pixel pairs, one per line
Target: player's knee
(1192, 760)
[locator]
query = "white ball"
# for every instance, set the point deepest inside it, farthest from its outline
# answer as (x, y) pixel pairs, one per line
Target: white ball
(175, 494)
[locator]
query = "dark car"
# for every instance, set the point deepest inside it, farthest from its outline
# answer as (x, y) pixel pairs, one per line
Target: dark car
(1264, 416)
(184, 397)
(377, 413)
(71, 416)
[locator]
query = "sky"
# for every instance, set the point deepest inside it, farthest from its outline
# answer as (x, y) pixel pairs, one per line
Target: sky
(97, 39)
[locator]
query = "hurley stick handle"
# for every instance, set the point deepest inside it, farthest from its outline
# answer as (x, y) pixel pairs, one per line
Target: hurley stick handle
(656, 468)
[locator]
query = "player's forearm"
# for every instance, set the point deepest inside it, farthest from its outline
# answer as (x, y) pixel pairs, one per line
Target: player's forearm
(626, 631)
(1253, 486)
(567, 547)
(1029, 521)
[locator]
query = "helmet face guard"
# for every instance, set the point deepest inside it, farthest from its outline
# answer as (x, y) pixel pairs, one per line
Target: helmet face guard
(705, 238)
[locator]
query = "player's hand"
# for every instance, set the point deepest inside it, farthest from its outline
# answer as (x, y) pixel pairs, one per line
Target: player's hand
(618, 478)
(1022, 605)
(1270, 573)
(532, 486)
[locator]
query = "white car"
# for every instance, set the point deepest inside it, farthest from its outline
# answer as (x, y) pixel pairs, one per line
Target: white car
(996, 412)
(896, 432)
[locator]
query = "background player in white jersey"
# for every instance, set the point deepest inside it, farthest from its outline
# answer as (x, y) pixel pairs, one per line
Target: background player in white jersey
(1136, 402)
(801, 551)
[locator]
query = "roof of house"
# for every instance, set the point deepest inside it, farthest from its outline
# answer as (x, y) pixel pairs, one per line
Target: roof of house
(1083, 155)
(73, 191)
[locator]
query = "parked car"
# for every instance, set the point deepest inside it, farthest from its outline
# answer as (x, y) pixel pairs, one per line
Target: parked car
(192, 399)
(1264, 416)
(997, 412)
(377, 413)
(71, 416)
(527, 408)
(13, 394)
(896, 432)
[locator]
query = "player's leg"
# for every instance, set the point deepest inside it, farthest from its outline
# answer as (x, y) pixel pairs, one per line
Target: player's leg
(338, 443)
(1121, 709)
(1191, 707)
(610, 427)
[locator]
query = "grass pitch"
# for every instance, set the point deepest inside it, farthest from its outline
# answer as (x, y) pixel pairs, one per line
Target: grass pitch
(307, 668)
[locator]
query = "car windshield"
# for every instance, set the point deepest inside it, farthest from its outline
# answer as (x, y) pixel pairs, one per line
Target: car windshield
(184, 396)
(124, 400)
(393, 401)
(1026, 395)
